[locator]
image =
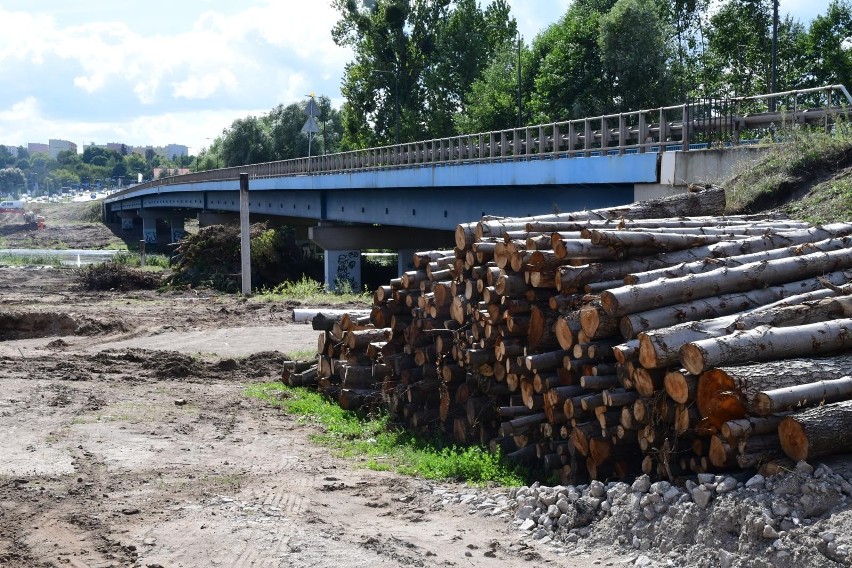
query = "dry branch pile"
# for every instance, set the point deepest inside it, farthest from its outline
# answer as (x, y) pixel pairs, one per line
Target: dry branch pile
(612, 342)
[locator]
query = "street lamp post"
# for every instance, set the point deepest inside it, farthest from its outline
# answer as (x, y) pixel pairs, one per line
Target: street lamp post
(520, 116)
(774, 53)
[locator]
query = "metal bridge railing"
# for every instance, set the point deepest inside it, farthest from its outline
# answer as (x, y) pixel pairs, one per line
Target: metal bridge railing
(678, 127)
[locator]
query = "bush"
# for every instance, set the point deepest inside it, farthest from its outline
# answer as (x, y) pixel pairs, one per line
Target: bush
(211, 258)
(113, 276)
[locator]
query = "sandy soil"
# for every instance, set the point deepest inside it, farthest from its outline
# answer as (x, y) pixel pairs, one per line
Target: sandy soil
(127, 441)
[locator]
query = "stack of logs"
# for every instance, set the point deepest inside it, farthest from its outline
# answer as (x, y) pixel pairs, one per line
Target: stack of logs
(611, 342)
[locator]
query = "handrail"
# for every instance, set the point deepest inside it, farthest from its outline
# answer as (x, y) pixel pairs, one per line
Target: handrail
(651, 130)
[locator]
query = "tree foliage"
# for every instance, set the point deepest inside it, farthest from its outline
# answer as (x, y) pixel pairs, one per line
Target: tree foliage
(12, 182)
(414, 63)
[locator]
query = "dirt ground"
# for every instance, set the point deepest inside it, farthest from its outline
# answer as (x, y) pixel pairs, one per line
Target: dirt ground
(126, 440)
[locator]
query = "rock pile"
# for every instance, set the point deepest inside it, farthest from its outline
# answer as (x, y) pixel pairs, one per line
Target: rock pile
(798, 518)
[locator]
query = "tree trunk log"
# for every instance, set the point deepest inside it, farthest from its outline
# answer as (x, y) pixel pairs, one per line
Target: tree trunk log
(661, 347)
(767, 343)
(681, 386)
(726, 304)
(751, 426)
(817, 432)
(631, 299)
(802, 396)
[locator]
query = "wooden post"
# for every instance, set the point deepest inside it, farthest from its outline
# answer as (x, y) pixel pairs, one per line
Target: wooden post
(245, 240)
(142, 255)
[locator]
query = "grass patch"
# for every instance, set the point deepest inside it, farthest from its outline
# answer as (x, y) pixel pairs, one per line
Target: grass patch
(309, 291)
(302, 355)
(134, 259)
(383, 446)
(30, 260)
(791, 169)
(827, 202)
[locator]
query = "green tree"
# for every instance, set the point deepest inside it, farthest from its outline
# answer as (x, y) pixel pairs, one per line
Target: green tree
(685, 23)
(246, 142)
(465, 43)
(492, 101)
(6, 156)
(12, 182)
(634, 55)
(566, 61)
(414, 62)
(828, 46)
(739, 45)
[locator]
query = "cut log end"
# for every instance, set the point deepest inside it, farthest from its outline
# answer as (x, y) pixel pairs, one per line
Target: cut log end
(794, 439)
(692, 357)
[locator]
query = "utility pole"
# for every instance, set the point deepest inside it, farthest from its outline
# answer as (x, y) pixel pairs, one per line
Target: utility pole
(774, 86)
(520, 115)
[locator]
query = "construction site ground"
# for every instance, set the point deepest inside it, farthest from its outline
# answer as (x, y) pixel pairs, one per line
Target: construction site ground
(127, 440)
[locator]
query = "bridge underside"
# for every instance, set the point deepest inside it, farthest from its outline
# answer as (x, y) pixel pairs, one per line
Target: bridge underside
(433, 208)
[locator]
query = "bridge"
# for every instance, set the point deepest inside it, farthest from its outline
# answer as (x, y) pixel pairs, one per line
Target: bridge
(412, 195)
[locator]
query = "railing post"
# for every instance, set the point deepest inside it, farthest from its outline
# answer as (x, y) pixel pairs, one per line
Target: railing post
(622, 134)
(664, 130)
(542, 141)
(687, 124)
(587, 137)
(556, 136)
(504, 144)
(643, 133)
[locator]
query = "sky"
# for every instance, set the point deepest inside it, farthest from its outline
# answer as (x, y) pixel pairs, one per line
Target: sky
(181, 71)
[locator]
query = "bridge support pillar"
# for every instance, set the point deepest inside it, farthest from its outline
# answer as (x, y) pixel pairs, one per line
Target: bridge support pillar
(149, 226)
(126, 220)
(406, 260)
(176, 226)
(208, 218)
(342, 266)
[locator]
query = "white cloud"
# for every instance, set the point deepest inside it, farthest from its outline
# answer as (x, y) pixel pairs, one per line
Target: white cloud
(204, 86)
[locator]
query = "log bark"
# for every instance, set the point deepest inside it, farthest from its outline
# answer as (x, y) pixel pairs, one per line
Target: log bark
(751, 426)
(650, 240)
(661, 347)
(802, 396)
(708, 264)
(631, 299)
(726, 304)
(817, 432)
(767, 343)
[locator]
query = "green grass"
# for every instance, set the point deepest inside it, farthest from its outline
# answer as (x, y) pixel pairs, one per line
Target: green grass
(302, 355)
(806, 154)
(827, 202)
(135, 259)
(309, 291)
(29, 260)
(383, 446)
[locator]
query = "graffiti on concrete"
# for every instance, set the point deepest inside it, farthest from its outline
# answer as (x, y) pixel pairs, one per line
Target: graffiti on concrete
(151, 237)
(178, 234)
(126, 224)
(348, 269)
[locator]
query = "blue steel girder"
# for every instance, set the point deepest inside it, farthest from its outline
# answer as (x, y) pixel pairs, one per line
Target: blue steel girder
(423, 208)
(434, 196)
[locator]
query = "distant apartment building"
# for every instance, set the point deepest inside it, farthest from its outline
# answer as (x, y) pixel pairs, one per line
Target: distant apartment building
(178, 150)
(12, 149)
(117, 146)
(38, 148)
(57, 146)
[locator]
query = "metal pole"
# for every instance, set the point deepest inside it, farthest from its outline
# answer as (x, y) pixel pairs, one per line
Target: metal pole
(142, 257)
(774, 85)
(520, 119)
(245, 240)
(396, 97)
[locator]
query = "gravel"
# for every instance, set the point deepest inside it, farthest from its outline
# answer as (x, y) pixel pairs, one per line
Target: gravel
(799, 518)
